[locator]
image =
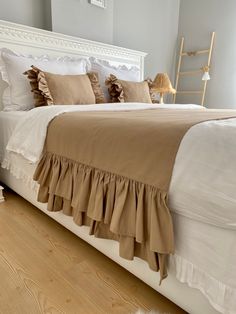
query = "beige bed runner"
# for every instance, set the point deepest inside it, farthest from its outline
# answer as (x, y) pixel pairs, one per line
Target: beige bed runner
(112, 170)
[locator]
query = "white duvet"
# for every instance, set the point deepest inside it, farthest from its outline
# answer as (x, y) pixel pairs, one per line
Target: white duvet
(203, 184)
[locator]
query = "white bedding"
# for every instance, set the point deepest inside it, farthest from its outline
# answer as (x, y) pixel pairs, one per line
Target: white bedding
(8, 121)
(205, 252)
(203, 184)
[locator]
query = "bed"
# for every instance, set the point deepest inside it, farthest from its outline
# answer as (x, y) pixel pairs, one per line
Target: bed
(202, 272)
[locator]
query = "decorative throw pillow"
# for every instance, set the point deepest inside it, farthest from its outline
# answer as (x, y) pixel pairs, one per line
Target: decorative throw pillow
(66, 89)
(43, 96)
(127, 91)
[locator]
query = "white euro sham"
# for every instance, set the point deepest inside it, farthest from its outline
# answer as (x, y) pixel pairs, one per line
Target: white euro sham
(18, 95)
(121, 71)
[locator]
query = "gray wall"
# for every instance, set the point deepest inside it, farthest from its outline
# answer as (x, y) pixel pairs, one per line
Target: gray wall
(146, 25)
(36, 13)
(150, 26)
(197, 19)
(80, 18)
(135, 24)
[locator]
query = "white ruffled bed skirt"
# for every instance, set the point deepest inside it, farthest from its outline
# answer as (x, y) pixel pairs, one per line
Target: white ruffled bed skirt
(220, 296)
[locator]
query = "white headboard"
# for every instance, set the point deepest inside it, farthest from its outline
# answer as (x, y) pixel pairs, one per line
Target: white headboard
(29, 40)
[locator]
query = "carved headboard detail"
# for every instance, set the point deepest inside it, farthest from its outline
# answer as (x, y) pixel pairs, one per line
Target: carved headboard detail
(35, 41)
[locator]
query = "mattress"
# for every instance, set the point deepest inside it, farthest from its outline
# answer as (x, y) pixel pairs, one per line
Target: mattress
(213, 274)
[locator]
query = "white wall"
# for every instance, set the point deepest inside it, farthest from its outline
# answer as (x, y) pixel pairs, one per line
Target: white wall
(197, 19)
(150, 26)
(34, 13)
(80, 18)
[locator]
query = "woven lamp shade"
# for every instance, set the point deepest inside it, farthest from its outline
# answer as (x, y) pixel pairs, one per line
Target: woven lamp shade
(162, 84)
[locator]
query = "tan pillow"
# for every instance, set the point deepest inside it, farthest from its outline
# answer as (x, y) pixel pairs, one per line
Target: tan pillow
(52, 89)
(66, 89)
(126, 91)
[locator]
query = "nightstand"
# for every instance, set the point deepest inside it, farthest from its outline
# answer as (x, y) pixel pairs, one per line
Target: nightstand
(1, 194)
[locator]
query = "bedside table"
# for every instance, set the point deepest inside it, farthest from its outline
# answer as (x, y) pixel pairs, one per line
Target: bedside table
(1, 194)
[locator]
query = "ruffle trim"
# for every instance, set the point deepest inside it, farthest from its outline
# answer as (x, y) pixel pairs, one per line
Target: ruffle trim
(131, 212)
(122, 67)
(151, 90)
(115, 89)
(20, 174)
(32, 75)
(4, 75)
(98, 92)
(44, 89)
(220, 296)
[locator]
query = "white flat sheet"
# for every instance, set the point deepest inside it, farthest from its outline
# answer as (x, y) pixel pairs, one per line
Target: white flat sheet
(205, 255)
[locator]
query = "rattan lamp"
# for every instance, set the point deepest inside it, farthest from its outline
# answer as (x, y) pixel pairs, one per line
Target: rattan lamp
(162, 85)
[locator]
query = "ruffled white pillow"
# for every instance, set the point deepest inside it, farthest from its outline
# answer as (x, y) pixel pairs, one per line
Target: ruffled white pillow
(121, 71)
(18, 95)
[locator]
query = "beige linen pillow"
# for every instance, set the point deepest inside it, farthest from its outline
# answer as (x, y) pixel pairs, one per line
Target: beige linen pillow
(127, 91)
(49, 88)
(66, 89)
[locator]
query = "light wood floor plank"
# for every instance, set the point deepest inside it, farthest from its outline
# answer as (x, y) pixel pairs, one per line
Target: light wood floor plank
(44, 284)
(44, 268)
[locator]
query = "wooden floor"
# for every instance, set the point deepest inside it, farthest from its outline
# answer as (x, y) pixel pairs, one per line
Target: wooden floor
(46, 269)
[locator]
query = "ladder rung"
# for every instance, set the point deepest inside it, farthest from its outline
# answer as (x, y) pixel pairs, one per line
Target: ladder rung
(190, 72)
(190, 92)
(199, 52)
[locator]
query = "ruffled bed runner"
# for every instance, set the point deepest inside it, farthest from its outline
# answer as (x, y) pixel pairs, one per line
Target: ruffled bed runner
(112, 170)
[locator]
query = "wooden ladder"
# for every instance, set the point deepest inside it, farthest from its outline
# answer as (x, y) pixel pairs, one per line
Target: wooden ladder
(180, 73)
